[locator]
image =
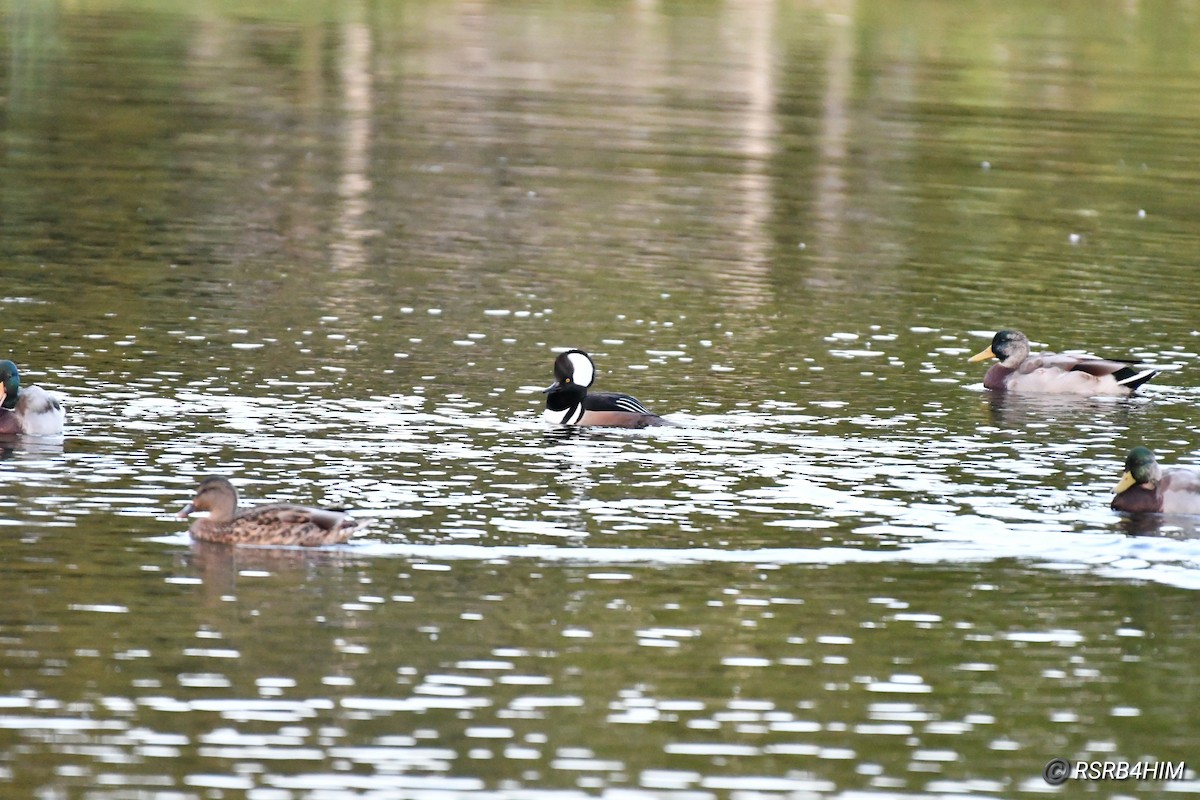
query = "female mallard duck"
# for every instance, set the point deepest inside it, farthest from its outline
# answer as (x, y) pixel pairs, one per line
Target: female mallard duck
(27, 410)
(1057, 373)
(1146, 487)
(271, 524)
(568, 401)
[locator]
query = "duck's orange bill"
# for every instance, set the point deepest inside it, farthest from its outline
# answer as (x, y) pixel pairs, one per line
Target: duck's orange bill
(1126, 481)
(981, 356)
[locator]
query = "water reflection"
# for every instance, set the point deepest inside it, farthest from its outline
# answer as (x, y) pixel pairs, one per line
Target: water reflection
(221, 565)
(1171, 526)
(354, 184)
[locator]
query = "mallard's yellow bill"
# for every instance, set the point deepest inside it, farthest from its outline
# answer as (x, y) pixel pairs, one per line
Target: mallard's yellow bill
(981, 356)
(1126, 481)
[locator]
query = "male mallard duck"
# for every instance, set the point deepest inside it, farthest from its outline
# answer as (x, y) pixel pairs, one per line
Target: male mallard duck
(1146, 487)
(568, 401)
(1057, 373)
(277, 523)
(27, 410)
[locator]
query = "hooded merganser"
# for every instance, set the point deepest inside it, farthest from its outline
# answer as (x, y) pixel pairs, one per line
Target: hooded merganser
(1057, 373)
(29, 409)
(568, 401)
(277, 523)
(1147, 487)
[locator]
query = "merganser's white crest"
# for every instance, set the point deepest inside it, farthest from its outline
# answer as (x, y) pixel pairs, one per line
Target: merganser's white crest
(584, 374)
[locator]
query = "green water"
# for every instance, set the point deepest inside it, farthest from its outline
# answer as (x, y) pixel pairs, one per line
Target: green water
(331, 249)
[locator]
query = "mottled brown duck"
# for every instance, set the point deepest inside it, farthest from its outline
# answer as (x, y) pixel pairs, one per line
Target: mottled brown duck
(274, 524)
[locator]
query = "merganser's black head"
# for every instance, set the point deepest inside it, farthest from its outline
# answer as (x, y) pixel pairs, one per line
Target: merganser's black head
(574, 372)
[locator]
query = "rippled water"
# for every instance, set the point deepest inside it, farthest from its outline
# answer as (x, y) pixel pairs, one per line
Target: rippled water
(332, 251)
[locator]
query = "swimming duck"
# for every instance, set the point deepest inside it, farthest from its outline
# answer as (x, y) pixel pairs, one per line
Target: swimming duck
(568, 401)
(1057, 373)
(29, 409)
(277, 523)
(1146, 487)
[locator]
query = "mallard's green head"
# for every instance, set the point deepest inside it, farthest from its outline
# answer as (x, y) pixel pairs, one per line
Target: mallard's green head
(1140, 467)
(1010, 347)
(1141, 464)
(10, 384)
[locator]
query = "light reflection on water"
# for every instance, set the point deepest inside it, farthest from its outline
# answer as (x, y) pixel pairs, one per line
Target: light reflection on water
(518, 609)
(456, 473)
(456, 699)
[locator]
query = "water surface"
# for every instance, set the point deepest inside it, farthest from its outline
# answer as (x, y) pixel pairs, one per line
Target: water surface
(331, 251)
